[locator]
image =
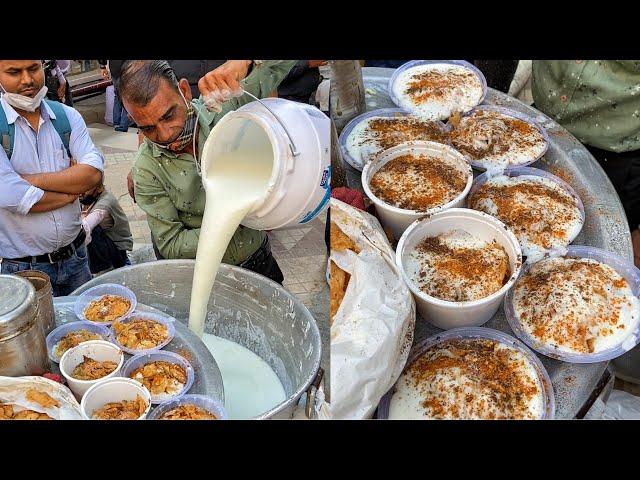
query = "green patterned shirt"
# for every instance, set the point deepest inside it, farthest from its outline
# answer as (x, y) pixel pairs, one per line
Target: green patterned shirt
(170, 191)
(598, 101)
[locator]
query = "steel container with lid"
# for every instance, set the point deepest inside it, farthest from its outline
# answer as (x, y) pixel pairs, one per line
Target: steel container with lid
(44, 294)
(23, 349)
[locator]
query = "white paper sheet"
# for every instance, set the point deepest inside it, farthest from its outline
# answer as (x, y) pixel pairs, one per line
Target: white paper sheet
(13, 391)
(372, 331)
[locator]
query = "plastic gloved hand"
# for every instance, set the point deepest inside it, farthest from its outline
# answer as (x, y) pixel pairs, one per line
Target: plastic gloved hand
(214, 102)
(87, 231)
(223, 83)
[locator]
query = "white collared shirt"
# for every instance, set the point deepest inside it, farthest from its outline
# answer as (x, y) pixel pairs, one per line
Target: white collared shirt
(29, 234)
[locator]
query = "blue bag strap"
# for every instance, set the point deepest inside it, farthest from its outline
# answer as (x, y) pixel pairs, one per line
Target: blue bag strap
(7, 132)
(61, 123)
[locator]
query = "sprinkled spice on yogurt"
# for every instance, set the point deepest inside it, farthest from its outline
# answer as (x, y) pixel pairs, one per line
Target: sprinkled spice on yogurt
(576, 305)
(438, 90)
(469, 379)
(495, 139)
(419, 182)
(541, 214)
(376, 134)
(457, 267)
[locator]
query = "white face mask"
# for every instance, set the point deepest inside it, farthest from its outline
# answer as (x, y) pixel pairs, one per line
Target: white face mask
(22, 102)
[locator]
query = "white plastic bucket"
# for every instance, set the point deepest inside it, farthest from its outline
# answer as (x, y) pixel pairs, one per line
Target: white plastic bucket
(299, 187)
(443, 313)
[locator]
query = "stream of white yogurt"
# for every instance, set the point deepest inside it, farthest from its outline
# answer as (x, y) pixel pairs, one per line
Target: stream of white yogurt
(233, 182)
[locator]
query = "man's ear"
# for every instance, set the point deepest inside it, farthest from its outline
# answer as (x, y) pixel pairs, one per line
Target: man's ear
(184, 87)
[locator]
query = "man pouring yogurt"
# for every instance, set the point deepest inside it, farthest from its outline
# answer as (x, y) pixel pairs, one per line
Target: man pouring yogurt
(168, 186)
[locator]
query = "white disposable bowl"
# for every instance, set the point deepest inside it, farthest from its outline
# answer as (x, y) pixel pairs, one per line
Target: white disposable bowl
(398, 219)
(99, 350)
(115, 389)
(443, 313)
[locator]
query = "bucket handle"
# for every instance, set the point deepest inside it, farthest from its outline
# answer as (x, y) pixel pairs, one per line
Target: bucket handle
(311, 393)
(292, 145)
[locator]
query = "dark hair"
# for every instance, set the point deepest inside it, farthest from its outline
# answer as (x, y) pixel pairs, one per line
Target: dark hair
(140, 79)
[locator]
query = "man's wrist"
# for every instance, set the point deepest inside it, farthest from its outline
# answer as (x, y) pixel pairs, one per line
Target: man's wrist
(32, 178)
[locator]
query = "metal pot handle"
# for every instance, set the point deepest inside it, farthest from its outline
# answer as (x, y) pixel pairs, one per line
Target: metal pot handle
(311, 394)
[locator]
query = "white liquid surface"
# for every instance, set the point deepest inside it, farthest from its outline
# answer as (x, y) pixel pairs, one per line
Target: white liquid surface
(251, 387)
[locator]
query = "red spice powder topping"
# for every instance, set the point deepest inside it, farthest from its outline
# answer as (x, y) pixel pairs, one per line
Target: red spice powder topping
(461, 273)
(388, 132)
(474, 378)
(435, 85)
(487, 133)
(418, 182)
(570, 302)
(533, 210)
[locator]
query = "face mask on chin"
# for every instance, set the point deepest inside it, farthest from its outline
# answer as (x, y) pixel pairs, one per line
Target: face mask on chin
(88, 199)
(186, 135)
(22, 102)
